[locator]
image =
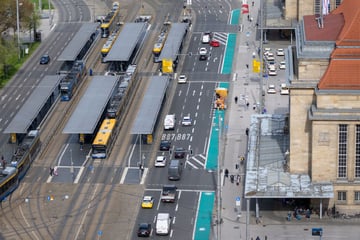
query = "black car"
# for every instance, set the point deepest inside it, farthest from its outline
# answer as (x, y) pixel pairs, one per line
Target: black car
(144, 230)
(165, 145)
(45, 59)
(179, 152)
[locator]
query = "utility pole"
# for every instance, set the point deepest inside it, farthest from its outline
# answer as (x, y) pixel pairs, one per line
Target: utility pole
(18, 27)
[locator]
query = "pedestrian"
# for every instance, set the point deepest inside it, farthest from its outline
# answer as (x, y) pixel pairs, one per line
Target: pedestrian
(247, 131)
(254, 106)
(248, 17)
(238, 178)
(226, 173)
(252, 3)
(247, 105)
(247, 66)
(55, 171)
(51, 171)
(236, 99)
(232, 178)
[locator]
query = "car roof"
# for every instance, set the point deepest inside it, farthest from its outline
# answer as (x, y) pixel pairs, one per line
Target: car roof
(186, 118)
(147, 197)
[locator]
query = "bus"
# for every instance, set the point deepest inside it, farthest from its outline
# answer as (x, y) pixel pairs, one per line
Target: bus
(102, 143)
(109, 23)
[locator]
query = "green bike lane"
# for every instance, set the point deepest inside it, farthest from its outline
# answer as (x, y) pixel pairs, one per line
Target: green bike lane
(207, 199)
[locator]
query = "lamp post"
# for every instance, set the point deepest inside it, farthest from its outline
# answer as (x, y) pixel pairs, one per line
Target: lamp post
(18, 26)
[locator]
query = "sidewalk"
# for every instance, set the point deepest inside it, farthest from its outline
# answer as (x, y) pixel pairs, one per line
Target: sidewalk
(238, 119)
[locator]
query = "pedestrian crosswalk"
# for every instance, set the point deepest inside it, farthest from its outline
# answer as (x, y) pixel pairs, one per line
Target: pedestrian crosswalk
(196, 162)
(221, 37)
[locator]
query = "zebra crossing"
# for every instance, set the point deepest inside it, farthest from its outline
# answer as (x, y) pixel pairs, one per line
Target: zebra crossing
(221, 37)
(196, 162)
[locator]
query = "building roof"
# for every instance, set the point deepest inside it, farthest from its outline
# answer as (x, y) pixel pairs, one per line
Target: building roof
(173, 41)
(266, 175)
(343, 72)
(333, 24)
(350, 34)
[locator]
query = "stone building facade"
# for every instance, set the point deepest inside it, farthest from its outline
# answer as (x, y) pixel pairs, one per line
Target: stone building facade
(325, 102)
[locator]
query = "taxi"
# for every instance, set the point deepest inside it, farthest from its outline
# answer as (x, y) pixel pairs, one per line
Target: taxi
(148, 202)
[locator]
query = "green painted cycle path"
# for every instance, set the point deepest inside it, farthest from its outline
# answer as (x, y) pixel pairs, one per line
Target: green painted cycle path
(204, 216)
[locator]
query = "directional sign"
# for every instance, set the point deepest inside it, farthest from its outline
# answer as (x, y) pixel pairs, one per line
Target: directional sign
(237, 201)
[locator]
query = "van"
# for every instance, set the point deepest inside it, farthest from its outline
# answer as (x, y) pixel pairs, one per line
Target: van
(162, 226)
(175, 170)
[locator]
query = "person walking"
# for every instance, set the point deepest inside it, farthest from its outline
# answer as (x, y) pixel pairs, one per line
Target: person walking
(51, 171)
(236, 99)
(55, 170)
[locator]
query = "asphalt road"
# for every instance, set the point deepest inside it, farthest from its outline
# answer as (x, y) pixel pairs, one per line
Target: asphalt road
(195, 98)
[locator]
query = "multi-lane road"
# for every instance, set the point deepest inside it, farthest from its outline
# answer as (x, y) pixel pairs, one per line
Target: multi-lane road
(98, 206)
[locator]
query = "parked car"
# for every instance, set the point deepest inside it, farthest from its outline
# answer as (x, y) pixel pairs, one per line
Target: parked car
(282, 65)
(179, 152)
(165, 145)
(284, 89)
(182, 78)
(160, 161)
(280, 52)
(45, 59)
(271, 89)
(186, 121)
(214, 43)
(144, 230)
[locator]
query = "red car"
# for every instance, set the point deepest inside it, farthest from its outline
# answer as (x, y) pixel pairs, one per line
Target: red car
(214, 43)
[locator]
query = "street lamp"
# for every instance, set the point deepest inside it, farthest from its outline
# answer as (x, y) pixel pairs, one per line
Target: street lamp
(18, 26)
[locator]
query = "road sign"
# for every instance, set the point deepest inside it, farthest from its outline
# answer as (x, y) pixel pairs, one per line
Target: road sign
(237, 201)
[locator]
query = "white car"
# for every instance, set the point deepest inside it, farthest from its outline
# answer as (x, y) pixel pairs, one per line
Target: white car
(182, 79)
(203, 51)
(280, 52)
(270, 57)
(271, 64)
(160, 161)
(282, 65)
(272, 70)
(271, 89)
(186, 121)
(284, 89)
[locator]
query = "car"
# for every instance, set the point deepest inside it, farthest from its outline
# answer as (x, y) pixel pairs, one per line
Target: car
(206, 37)
(271, 89)
(165, 145)
(160, 161)
(182, 78)
(186, 121)
(270, 57)
(109, 73)
(214, 43)
(144, 230)
(45, 59)
(203, 54)
(271, 64)
(179, 152)
(280, 52)
(272, 70)
(284, 90)
(147, 202)
(202, 51)
(282, 65)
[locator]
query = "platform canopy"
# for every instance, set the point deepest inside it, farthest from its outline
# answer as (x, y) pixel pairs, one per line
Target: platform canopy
(150, 106)
(173, 41)
(77, 43)
(91, 107)
(131, 34)
(31, 108)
